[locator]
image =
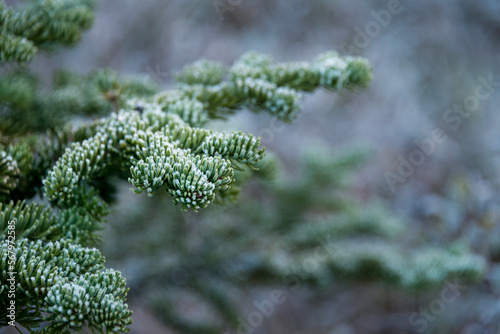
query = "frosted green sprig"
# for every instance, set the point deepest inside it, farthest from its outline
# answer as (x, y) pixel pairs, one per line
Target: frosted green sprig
(189, 185)
(251, 65)
(260, 84)
(190, 179)
(77, 165)
(258, 94)
(191, 111)
(69, 306)
(9, 173)
(39, 265)
(98, 299)
(202, 72)
(329, 70)
(115, 138)
(214, 97)
(48, 21)
(242, 148)
(15, 48)
(160, 149)
(28, 109)
(156, 156)
(188, 138)
(15, 171)
(215, 100)
(34, 221)
(337, 73)
(154, 141)
(297, 75)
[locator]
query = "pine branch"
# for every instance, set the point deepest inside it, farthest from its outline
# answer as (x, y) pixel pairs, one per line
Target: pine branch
(97, 299)
(153, 141)
(258, 83)
(15, 48)
(203, 72)
(9, 174)
(26, 109)
(41, 23)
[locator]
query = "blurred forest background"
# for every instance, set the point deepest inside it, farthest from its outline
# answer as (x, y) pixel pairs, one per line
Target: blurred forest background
(428, 59)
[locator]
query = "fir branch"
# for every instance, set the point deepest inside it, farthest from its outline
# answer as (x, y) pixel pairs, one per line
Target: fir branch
(48, 22)
(97, 299)
(259, 94)
(15, 48)
(328, 70)
(203, 72)
(9, 174)
(64, 280)
(154, 141)
(236, 146)
(137, 141)
(258, 83)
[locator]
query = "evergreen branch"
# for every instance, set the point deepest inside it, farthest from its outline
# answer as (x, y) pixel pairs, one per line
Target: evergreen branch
(34, 154)
(39, 266)
(155, 142)
(203, 72)
(32, 221)
(9, 174)
(48, 21)
(282, 102)
(242, 148)
(15, 48)
(328, 70)
(191, 111)
(64, 280)
(96, 298)
(258, 83)
(156, 158)
(130, 140)
(25, 109)
(188, 138)
(76, 166)
(190, 179)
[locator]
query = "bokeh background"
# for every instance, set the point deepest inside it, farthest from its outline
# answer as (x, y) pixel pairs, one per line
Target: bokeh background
(427, 58)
